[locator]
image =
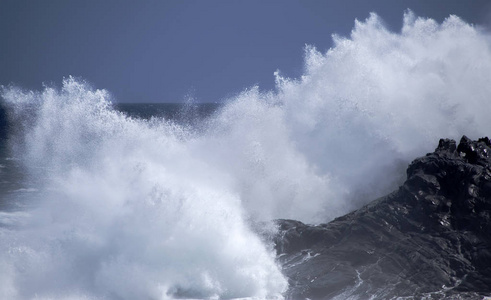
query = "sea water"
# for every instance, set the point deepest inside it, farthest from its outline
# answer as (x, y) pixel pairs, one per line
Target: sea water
(108, 201)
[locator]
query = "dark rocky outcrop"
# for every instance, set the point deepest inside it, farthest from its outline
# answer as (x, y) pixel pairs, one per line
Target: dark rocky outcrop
(430, 238)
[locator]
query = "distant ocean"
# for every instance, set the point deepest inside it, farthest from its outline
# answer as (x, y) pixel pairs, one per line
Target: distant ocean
(171, 201)
(181, 113)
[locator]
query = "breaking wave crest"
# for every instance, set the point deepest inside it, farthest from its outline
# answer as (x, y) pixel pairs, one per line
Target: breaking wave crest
(150, 209)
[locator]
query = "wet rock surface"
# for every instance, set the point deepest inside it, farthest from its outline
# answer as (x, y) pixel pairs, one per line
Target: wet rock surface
(429, 239)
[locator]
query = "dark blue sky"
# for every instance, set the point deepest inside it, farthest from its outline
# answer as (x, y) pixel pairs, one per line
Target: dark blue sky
(162, 51)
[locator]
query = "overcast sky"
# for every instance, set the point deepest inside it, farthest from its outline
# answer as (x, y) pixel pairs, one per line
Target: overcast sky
(165, 51)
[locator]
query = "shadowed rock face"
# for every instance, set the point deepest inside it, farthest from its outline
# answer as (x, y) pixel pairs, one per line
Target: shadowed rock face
(430, 238)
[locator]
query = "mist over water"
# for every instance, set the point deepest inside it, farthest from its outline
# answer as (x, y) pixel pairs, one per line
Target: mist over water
(128, 208)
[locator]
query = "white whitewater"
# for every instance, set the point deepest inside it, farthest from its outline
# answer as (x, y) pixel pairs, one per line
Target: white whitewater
(133, 209)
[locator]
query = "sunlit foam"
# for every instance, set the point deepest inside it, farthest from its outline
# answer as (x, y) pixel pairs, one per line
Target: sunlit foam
(133, 209)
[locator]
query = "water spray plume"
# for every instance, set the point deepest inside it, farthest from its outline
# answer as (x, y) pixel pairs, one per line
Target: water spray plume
(149, 209)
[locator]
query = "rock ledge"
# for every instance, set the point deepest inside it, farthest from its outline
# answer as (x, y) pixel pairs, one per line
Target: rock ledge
(430, 238)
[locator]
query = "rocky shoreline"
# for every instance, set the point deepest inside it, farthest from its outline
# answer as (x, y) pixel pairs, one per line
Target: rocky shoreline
(429, 239)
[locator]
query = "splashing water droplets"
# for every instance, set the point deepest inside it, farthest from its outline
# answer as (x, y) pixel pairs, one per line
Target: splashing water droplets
(150, 209)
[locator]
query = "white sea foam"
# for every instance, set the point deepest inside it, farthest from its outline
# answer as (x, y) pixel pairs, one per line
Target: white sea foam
(130, 211)
(136, 209)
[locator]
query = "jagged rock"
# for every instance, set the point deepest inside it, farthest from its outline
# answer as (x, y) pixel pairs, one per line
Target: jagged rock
(430, 238)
